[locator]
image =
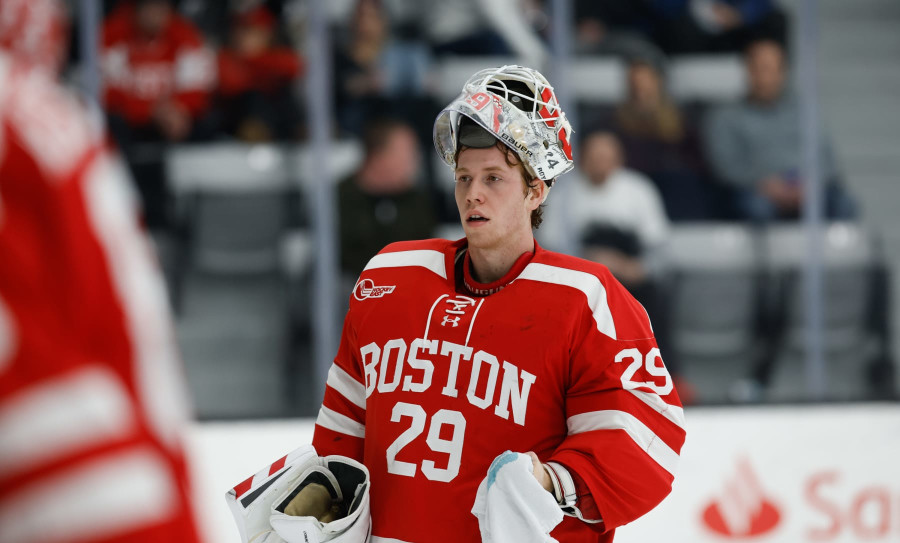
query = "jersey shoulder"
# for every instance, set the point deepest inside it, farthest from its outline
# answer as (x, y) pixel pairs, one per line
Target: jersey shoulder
(408, 259)
(573, 263)
(618, 314)
(434, 244)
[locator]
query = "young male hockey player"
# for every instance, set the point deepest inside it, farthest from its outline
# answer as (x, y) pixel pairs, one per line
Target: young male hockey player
(455, 351)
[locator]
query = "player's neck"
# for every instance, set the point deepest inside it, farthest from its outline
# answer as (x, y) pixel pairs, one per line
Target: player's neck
(491, 264)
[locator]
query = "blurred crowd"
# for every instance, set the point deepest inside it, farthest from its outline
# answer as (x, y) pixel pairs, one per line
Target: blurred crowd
(195, 71)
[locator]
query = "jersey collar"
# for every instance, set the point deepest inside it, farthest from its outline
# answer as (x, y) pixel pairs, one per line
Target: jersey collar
(486, 289)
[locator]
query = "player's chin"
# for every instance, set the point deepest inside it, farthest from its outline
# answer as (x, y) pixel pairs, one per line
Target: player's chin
(479, 236)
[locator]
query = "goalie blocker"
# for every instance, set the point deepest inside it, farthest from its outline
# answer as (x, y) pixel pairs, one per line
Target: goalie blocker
(304, 498)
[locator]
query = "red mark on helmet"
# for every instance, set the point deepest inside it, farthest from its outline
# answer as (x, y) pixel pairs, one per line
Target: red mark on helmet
(479, 100)
(546, 114)
(564, 139)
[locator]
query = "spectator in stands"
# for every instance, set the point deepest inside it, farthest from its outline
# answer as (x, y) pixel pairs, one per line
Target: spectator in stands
(373, 72)
(381, 203)
(660, 140)
(158, 76)
(617, 212)
(255, 81)
(755, 147)
(700, 26)
(618, 216)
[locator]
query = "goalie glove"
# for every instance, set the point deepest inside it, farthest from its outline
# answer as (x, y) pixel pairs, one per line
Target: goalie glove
(330, 502)
(301, 486)
(251, 501)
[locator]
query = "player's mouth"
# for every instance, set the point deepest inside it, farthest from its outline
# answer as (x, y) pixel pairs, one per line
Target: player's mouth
(476, 219)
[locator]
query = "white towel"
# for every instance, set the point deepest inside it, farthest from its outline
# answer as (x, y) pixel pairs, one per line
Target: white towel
(512, 506)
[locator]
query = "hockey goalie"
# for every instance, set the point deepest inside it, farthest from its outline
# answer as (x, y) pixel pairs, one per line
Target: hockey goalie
(494, 391)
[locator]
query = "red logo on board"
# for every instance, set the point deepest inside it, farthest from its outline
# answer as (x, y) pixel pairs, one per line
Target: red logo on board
(742, 510)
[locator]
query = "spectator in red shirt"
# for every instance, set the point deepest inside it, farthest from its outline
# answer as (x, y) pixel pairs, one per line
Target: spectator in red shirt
(158, 76)
(156, 69)
(255, 81)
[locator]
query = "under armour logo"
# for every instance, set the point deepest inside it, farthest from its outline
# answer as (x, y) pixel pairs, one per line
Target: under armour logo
(457, 307)
(450, 320)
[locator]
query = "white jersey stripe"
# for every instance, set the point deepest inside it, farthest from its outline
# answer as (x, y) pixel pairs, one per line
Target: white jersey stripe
(347, 386)
(339, 423)
(636, 430)
(61, 417)
(671, 412)
(376, 539)
(139, 286)
(104, 498)
(592, 288)
(425, 258)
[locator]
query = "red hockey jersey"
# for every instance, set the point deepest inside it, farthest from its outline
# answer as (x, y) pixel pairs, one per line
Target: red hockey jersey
(431, 383)
(92, 402)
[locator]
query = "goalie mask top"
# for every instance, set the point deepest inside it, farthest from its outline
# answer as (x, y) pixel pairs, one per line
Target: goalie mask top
(515, 105)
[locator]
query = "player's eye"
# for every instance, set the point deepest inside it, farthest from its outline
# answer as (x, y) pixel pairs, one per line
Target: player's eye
(493, 179)
(463, 179)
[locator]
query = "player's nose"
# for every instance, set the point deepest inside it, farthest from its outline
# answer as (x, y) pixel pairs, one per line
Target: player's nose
(475, 192)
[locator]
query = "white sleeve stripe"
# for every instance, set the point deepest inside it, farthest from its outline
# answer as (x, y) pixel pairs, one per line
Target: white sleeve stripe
(339, 423)
(141, 294)
(671, 412)
(592, 288)
(61, 417)
(661, 453)
(347, 386)
(109, 496)
(376, 539)
(428, 259)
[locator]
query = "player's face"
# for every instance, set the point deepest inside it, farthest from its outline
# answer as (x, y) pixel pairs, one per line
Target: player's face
(490, 194)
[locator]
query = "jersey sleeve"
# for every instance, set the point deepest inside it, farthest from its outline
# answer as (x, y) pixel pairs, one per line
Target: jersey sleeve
(625, 423)
(341, 423)
(92, 402)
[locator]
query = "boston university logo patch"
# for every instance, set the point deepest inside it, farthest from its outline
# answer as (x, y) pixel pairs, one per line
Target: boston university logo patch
(742, 510)
(366, 288)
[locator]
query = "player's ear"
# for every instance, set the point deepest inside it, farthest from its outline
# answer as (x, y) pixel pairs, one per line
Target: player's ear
(535, 195)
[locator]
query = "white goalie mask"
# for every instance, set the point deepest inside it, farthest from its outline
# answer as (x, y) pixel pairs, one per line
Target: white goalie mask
(515, 105)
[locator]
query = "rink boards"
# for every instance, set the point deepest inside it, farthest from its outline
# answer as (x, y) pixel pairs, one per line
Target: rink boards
(762, 474)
